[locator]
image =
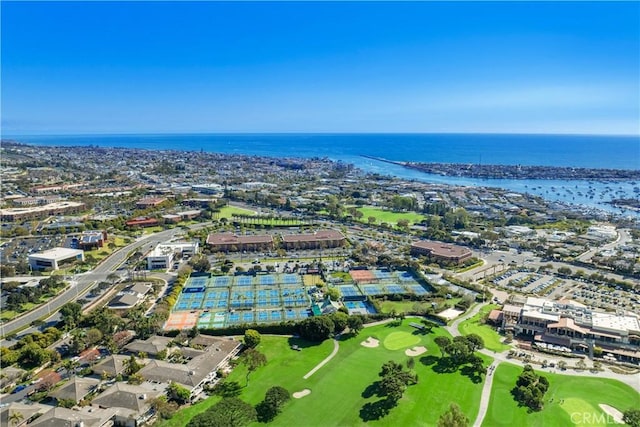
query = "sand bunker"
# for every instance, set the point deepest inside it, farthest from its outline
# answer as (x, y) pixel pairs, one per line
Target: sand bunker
(303, 393)
(415, 351)
(612, 412)
(450, 313)
(370, 342)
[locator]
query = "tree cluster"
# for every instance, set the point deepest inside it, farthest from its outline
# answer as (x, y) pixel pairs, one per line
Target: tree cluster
(394, 380)
(632, 417)
(453, 417)
(30, 294)
(530, 389)
(31, 351)
(461, 351)
(229, 412)
(319, 328)
(271, 406)
(252, 338)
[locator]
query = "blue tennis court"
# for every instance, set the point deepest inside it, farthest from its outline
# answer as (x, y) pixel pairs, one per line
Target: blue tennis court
(395, 289)
(198, 282)
(275, 316)
(247, 317)
(290, 279)
(372, 290)
(233, 318)
(221, 281)
(417, 289)
(290, 314)
(380, 274)
(405, 276)
(262, 316)
(267, 280)
(349, 291)
(244, 281)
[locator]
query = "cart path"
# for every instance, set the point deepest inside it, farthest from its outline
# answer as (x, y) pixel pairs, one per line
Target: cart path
(486, 394)
(336, 347)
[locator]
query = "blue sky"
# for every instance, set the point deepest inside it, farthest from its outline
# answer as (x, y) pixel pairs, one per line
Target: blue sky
(542, 67)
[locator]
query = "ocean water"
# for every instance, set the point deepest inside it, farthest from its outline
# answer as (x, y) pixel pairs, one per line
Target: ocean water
(616, 152)
(609, 152)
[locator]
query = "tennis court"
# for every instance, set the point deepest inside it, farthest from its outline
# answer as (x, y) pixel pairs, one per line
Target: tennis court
(189, 301)
(296, 313)
(244, 281)
(417, 289)
(198, 281)
(242, 299)
(405, 276)
(267, 280)
(372, 290)
(181, 320)
(221, 281)
(294, 297)
(216, 300)
(359, 307)
(382, 274)
(349, 291)
(211, 320)
(291, 279)
(231, 300)
(362, 276)
(395, 289)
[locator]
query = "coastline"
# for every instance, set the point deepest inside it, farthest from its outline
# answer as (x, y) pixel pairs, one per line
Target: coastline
(516, 171)
(587, 196)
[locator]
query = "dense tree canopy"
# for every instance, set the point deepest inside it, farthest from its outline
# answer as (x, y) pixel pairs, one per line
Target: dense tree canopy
(229, 412)
(317, 328)
(453, 417)
(270, 407)
(530, 389)
(252, 338)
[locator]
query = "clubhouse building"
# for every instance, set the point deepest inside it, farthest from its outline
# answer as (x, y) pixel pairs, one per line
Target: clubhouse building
(572, 326)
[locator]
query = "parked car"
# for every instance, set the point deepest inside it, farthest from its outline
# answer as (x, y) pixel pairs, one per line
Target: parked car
(18, 388)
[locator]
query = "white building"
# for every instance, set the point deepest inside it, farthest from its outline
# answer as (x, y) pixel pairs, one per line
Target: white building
(53, 257)
(164, 254)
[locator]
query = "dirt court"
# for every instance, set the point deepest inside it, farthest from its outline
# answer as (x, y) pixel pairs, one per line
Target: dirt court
(362, 276)
(181, 320)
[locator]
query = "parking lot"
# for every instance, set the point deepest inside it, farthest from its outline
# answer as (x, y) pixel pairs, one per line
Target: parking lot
(18, 249)
(597, 296)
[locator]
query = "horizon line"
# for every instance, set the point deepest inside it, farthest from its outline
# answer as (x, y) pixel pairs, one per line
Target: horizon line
(4, 135)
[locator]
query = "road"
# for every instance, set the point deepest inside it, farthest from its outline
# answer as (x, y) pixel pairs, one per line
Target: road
(84, 282)
(623, 238)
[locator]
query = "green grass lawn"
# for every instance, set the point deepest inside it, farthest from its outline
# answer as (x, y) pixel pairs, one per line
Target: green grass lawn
(339, 388)
(6, 315)
(228, 211)
(413, 306)
(400, 340)
(581, 396)
(387, 216)
(492, 340)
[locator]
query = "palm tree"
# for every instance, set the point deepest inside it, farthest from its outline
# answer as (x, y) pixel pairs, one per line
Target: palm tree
(16, 418)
